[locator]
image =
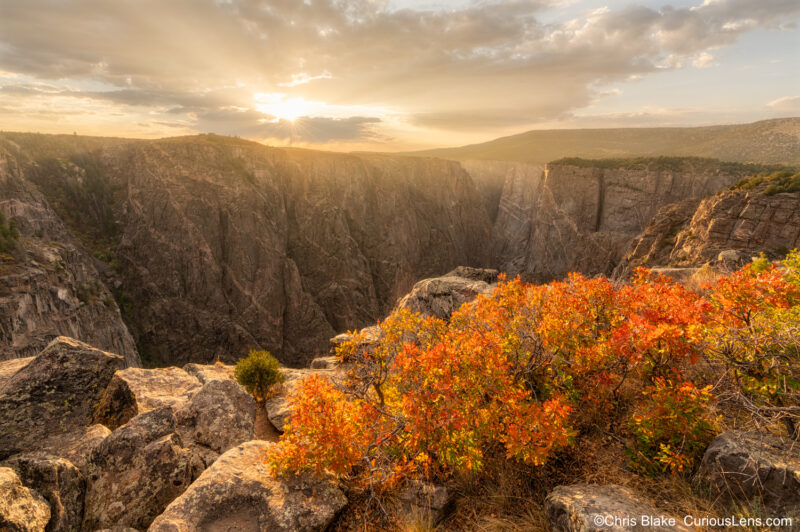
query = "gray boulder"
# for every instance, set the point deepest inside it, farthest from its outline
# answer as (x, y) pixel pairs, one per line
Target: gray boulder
(53, 396)
(743, 466)
(137, 471)
(59, 482)
(238, 493)
(422, 498)
(218, 416)
(21, 510)
(608, 508)
(441, 296)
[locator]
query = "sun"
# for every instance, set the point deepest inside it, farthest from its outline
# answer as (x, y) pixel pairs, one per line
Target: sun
(283, 108)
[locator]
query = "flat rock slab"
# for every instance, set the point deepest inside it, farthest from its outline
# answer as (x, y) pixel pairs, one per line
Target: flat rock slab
(742, 466)
(134, 391)
(238, 493)
(209, 372)
(59, 482)
(53, 395)
(609, 508)
(21, 509)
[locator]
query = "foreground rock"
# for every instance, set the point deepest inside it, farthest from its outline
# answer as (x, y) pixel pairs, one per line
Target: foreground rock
(238, 493)
(595, 508)
(219, 416)
(59, 482)
(746, 466)
(209, 372)
(432, 501)
(134, 391)
(137, 471)
(21, 510)
(441, 296)
(43, 405)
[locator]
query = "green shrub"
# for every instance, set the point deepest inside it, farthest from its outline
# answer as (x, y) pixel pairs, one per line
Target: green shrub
(258, 372)
(8, 235)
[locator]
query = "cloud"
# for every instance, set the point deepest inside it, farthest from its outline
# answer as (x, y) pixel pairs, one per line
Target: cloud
(491, 64)
(790, 104)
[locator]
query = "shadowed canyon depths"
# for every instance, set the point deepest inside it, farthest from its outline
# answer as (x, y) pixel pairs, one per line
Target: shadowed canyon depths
(197, 248)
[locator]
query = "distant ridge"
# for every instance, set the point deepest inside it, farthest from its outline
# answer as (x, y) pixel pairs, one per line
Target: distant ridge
(766, 141)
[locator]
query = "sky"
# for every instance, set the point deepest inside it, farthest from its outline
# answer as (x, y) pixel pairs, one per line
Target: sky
(391, 75)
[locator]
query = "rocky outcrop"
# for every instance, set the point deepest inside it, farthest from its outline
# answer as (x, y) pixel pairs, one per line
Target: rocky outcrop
(595, 508)
(135, 391)
(741, 467)
(49, 286)
(49, 403)
(9, 367)
(137, 471)
(747, 221)
(238, 493)
(60, 483)
(725, 230)
(584, 214)
(209, 372)
(222, 246)
(21, 510)
(441, 296)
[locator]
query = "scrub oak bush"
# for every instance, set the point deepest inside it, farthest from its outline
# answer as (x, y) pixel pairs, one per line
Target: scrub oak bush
(258, 373)
(529, 368)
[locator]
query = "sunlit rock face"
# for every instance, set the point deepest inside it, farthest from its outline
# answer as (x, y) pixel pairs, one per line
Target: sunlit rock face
(221, 245)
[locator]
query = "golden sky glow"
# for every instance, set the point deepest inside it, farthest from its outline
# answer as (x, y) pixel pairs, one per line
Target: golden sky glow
(391, 75)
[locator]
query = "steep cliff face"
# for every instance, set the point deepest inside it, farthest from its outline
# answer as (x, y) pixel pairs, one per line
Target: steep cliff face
(583, 214)
(223, 245)
(49, 285)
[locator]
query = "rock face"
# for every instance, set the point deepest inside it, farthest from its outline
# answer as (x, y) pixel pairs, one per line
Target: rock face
(49, 286)
(21, 510)
(594, 508)
(582, 217)
(9, 367)
(238, 493)
(224, 246)
(743, 466)
(137, 471)
(725, 229)
(59, 482)
(441, 296)
(49, 403)
(135, 391)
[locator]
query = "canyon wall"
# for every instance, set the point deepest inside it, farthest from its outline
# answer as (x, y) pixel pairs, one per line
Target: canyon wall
(219, 246)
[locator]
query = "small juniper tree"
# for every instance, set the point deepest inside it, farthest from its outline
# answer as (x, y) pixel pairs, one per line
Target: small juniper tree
(258, 372)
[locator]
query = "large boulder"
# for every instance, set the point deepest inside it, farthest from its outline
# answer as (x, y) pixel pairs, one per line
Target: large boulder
(608, 508)
(441, 296)
(239, 493)
(426, 499)
(742, 466)
(217, 417)
(53, 396)
(137, 471)
(21, 510)
(59, 482)
(134, 391)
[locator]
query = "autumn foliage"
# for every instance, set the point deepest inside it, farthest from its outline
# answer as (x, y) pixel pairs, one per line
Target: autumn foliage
(526, 370)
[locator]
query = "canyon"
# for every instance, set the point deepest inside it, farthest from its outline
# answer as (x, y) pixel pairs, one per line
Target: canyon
(201, 248)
